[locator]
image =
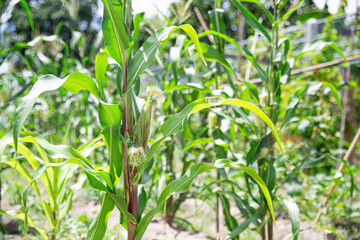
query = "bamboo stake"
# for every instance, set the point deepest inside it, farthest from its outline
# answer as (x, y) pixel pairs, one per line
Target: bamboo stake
(346, 90)
(346, 158)
(324, 65)
(253, 47)
(203, 24)
(240, 36)
(316, 67)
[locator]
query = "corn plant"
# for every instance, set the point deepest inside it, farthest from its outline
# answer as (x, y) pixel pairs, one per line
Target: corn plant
(126, 125)
(277, 72)
(55, 181)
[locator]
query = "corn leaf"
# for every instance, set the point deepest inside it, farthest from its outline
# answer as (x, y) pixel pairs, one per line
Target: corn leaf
(177, 122)
(334, 92)
(251, 20)
(72, 156)
(286, 15)
(111, 136)
(146, 54)
(211, 54)
(246, 53)
(74, 83)
(22, 216)
(270, 16)
(115, 37)
(101, 63)
(183, 183)
(98, 226)
(294, 216)
(120, 203)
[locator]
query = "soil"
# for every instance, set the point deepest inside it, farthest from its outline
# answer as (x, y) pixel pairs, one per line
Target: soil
(200, 215)
(159, 229)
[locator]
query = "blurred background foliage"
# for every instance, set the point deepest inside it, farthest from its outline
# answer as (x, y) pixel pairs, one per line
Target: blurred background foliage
(60, 37)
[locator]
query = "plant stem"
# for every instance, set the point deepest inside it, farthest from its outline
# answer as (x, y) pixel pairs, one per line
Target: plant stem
(263, 230)
(131, 190)
(124, 133)
(217, 210)
(270, 228)
(273, 89)
(169, 213)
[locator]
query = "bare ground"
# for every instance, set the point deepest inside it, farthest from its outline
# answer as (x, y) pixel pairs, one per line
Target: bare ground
(200, 215)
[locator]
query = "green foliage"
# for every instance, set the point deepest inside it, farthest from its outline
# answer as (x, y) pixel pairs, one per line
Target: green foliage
(150, 126)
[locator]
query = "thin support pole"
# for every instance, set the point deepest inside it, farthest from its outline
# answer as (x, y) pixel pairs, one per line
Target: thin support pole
(203, 24)
(316, 67)
(346, 158)
(252, 49)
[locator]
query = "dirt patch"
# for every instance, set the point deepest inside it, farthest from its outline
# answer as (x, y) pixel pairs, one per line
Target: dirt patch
(199, 214)
(158, 228)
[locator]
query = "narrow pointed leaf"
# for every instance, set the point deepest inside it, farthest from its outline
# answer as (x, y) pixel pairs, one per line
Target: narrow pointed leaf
(211, 54)
(146, 54)
(335, 93)
(111, 136)
(294, 216)
(101, 63)
(74, 83)
(72, 156)
(122, 206)
(251, 20)
(286, 15)
(246, 53)
(22, 217)
(98, 226)
(183, 183)
(177, 122)
(115, 37)
(270, 16)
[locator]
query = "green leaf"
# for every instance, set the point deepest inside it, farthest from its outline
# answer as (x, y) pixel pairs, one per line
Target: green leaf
(142, 202)
(246, 53)
(137, 21)
(317, 227)
(72, 156)
(98, 226)
(109, 114)
(294, 216)
(319, 45)
(74, 83)
(196, 142)
(253, 90)
(25, 6)
(122, 206)
(45, 206)
(230, 221)
(7, 13)
(240, 228)
(101, 63)
(335, 93)
(193, 86)
(331, 230)
(251, 20)
(111, 136)
(22, 216)
(146, 54)
(115, 37)
(290, 109)
(286, 15)
(211, 54)
(183, 183)
(177, 122)
(352, 178)
(270, 16)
